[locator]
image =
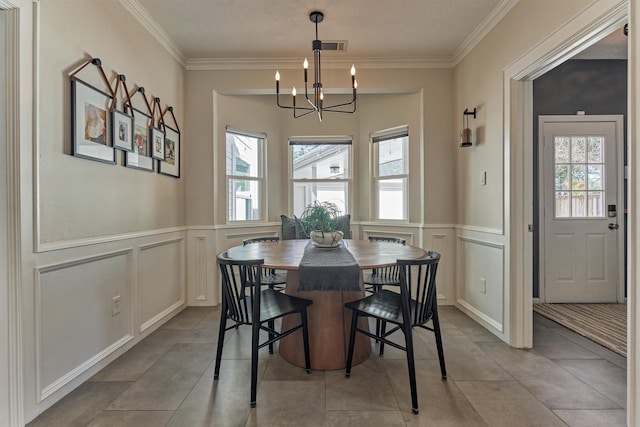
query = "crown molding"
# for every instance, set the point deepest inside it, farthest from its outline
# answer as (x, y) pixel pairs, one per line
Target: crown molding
(221, 64)
(154, 29)
(211, 64)
(496, 15)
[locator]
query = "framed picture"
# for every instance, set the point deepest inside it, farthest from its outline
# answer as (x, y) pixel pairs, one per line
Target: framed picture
(171, 164)
(157, 143)
(140, 157)
(121, 130)
(90, 125)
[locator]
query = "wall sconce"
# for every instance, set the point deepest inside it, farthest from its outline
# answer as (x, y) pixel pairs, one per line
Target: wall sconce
(334, 169)
(465, 133)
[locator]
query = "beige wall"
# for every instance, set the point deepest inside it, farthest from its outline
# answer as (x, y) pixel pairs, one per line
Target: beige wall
(101, 231)
(418, 98)
(81, 198)
(492, 240)
(478, 81)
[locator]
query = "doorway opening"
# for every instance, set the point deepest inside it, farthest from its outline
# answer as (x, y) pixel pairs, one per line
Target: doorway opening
(579, 254)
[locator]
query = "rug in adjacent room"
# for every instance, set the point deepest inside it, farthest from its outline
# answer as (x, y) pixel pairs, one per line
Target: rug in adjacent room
(605, 324)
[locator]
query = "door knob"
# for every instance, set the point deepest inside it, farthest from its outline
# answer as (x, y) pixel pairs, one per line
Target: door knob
(613, 226)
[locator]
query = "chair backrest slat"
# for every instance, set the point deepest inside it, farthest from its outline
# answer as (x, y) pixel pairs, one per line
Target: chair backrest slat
(418, 283)
(387, 239)
(387, 273)
(238, 299)
(246, 242)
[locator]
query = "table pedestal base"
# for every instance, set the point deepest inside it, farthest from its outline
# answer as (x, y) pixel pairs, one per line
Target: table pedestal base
(329, 326)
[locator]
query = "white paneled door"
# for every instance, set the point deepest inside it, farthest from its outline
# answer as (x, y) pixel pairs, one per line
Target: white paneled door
(583, 208)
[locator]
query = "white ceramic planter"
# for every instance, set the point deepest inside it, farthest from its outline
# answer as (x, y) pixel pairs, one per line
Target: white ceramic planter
(326, 239)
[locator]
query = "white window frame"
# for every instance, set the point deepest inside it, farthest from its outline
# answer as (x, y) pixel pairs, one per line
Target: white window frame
(375, 138)
(321, 140)
(260, 179)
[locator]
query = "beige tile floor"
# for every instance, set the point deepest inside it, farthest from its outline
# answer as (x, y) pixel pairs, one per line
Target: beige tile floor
(167, 380)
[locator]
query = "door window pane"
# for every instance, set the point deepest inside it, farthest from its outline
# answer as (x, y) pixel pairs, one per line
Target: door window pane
(563, 204)
(578, 173)
(578, 148)
(562, 177)
(579, 204)
(595, 177)
(596, 146)
(596, 204)
(562, 149)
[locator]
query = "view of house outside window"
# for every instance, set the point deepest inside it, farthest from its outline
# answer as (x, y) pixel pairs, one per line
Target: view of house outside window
(391, 172)
(244, 164)
(320, 170)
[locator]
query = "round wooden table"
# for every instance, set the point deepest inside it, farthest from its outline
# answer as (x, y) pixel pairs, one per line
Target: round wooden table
(328, 321)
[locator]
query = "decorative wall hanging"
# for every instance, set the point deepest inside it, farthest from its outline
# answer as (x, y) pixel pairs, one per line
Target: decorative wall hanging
(121, 122)
(171, 164)
(90, 119)
(140, 157)
(157, 132)
(99, 127)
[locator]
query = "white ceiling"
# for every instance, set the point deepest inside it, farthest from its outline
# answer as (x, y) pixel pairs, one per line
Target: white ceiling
(254, 31)
(281, 29)
(614, 46)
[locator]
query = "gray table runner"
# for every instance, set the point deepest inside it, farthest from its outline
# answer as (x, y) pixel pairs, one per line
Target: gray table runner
(328, 270)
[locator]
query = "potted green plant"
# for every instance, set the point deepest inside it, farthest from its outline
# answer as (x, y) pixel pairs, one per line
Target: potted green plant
(319, 221)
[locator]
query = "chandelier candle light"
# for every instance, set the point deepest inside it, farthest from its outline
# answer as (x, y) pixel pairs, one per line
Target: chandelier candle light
(316, 104)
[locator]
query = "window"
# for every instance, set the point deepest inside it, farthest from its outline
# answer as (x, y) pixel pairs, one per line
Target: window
(320, 170)
(245, 177)
(579, 176)
(390, 173)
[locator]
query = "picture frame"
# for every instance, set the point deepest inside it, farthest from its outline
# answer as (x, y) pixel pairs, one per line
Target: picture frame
(171, 164)
(140, 157)
(122, 131)
(157, 143)
(91, 123)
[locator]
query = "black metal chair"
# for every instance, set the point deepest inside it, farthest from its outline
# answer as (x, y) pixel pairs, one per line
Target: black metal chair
(270, 277)
(375, 279)
(417, 277)
(255, 306)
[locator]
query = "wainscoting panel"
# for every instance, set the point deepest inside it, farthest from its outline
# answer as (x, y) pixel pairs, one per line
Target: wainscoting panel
(76, 324)
(481, 291)
(441, 241)
(161, 280)
(201, 267)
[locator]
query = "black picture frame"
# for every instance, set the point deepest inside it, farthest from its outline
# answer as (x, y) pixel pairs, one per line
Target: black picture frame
(90, 123)
(171, 164)
(121, 131)
(157, 143)
(140, 157)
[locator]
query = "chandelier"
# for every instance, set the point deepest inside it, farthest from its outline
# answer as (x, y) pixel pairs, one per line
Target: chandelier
(316, 102)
